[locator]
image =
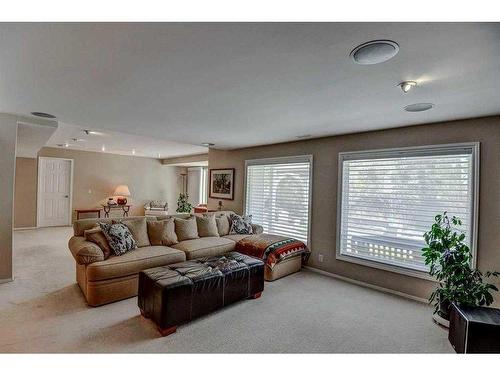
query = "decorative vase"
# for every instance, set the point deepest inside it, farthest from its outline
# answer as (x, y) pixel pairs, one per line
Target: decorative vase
(121, 200)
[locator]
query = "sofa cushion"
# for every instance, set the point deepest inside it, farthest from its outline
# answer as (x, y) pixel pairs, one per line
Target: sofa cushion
(139, 230)
(80, 226)
(162, 232)
(236, 237)
(186, 229)
(205, 247)
(119, 237)
(207, 226)
(96, 236)
(133, 262)
(222, 225)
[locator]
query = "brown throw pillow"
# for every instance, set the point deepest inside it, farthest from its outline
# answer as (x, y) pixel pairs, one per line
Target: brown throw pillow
(207, 226)
(222, 225)
(96, 236)
(186, 229)
(162, 232)
(139, 230)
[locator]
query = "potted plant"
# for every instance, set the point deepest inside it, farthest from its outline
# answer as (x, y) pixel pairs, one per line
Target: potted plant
(182, 203)
(450, 263)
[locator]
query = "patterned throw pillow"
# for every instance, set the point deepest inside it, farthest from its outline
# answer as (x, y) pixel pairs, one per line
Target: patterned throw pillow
(240, 224)
(119, 237)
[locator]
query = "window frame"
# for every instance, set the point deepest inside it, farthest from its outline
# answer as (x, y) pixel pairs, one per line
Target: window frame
(410, 151)
(281, 160)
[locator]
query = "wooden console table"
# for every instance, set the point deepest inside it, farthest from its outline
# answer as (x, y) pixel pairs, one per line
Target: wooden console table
(88, 211)
(107, 209)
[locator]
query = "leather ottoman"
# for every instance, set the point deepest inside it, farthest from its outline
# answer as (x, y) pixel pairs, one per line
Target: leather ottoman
(177, 293)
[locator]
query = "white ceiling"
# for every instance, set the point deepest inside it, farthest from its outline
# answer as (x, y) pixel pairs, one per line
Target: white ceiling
(245, 84)
(119, 143)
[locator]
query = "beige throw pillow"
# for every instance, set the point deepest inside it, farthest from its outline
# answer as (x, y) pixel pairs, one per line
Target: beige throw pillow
(186, 229)
(162, 232)
(139, 230)
(207, 226)
(96, 236)
(222, 225)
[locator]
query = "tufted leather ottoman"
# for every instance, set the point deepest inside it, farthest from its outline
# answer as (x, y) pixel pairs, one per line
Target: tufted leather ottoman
(177, 293)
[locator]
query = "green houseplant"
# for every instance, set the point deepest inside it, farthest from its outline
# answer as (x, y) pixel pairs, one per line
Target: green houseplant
(182, 203)
(450, 262)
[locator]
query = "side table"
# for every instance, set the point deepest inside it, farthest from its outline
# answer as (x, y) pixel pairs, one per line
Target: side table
(107, 209)
(88, 211)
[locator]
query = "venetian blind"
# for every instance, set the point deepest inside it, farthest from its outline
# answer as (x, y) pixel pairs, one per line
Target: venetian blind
(390, 198)
(278, 195)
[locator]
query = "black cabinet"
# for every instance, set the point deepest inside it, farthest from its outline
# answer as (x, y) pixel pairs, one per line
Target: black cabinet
(474, 329)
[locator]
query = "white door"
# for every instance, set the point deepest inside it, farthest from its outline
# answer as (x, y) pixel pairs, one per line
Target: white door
(54, 191)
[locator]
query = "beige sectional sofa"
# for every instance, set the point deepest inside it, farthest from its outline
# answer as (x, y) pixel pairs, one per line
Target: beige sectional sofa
(107, 280)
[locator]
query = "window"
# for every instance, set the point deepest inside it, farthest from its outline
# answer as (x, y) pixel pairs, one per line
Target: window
(278, 195)
(389, 198)
(204, 185)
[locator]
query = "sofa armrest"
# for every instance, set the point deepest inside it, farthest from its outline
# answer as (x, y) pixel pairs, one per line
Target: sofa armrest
(85, 252)
(257, 229)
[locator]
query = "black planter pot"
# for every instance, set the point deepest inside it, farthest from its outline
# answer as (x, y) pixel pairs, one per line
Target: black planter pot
(444, 309)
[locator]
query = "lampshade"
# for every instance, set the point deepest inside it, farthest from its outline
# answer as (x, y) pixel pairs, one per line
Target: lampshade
(122, 191)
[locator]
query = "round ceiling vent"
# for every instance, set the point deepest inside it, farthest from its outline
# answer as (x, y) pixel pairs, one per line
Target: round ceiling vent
(374, 52)
(419, 107)
(43, 114)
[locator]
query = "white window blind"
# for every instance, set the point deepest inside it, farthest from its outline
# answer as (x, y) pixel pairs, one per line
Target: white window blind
(390, 198)
(278, 195)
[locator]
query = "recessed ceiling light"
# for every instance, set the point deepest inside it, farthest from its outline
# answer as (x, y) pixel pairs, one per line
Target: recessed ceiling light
(133, 151)
(103, 148)
(207, 144)
(43, 114)
(374, 52)
(407, 85)
(418, 107)
(91, 132)
(159, 155)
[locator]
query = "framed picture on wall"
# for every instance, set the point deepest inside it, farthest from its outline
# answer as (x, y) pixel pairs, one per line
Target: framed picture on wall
(222, 183)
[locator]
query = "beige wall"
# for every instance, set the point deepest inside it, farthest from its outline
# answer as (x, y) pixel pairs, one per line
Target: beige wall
(324, 202)
(96, 175)
(8, 132)
(25, 193)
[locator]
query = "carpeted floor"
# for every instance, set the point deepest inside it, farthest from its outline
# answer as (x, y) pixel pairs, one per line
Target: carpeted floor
(43, 310)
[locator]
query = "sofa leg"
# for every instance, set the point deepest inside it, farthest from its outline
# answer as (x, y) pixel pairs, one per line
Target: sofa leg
(167, 331)
(143, 314)
(256, 295)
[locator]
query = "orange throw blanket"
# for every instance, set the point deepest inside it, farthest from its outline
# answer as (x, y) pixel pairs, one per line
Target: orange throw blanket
(272, 248)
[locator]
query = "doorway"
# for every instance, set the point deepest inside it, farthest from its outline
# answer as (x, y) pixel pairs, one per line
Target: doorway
(55, 191)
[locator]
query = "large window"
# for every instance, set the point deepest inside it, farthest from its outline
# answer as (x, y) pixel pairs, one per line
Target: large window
(389, 198)
(278, 195)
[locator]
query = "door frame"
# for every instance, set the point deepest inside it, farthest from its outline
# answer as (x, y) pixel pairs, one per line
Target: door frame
(38, 192)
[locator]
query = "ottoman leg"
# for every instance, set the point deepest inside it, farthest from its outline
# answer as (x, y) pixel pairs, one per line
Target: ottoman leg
(256, 295)
(167, 331)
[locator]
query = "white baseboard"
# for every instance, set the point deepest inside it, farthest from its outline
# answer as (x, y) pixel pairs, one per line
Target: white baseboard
(25, 228)
(367, 285)
(3, 281)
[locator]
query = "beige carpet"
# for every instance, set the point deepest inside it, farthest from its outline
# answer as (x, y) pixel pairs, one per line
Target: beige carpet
(43, 310)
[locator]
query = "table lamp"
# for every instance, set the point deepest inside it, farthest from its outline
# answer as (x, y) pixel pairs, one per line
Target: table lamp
(121, 192)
